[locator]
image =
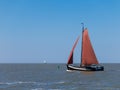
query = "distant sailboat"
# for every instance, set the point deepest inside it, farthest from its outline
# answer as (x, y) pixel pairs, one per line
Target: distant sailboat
(44, 61)
(89, 61)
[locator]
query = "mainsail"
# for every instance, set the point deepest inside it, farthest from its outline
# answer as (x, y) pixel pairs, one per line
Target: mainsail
(88, 56)
(70, 59)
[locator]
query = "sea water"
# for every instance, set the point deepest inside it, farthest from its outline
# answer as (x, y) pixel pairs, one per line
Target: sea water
(55, 77)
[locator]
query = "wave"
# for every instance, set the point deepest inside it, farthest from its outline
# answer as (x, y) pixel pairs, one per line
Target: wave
(38, 89)
(47, 89)
(17, 83)
(30, 82)
(59, 82)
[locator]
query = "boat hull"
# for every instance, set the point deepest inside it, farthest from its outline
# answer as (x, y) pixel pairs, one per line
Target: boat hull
(86, 68)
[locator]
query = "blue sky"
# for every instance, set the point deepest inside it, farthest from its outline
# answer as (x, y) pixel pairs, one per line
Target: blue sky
(32, 31)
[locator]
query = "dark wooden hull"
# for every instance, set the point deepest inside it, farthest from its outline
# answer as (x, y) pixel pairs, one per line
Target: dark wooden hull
(86, 68)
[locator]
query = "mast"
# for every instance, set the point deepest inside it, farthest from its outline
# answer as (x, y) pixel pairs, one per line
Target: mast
(82, 42)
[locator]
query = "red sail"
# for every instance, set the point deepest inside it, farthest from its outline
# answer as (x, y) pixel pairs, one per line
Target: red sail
(70, 59)
(88, 56)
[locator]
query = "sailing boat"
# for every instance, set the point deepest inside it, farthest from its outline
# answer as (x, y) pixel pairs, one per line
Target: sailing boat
(88, 60)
